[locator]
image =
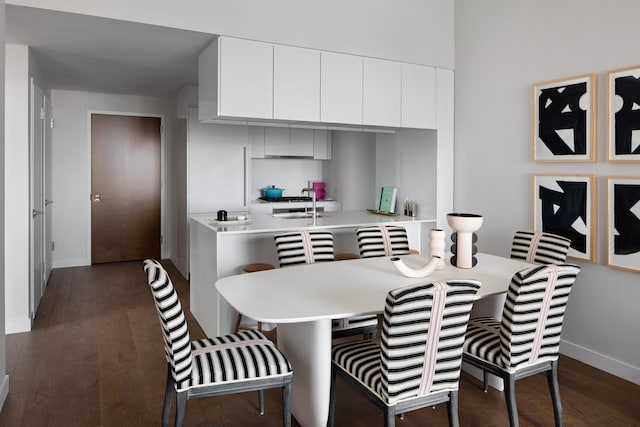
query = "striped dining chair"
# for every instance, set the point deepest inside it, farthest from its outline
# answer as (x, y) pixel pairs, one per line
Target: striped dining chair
(417, 361)
(527, 340)
(308, 247)
(245, 361)
(537, 247)
(384, 240)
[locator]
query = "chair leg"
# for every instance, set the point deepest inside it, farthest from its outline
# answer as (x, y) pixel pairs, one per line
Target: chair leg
(286, 405)
(332, 399)
(510, 396)
(389, 416)
(261, 401)
(181, 408)
(168, 397)
(485, 378)
(452, 409)
(552, 379)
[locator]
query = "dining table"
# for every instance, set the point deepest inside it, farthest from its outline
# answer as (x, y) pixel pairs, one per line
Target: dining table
(302, 300)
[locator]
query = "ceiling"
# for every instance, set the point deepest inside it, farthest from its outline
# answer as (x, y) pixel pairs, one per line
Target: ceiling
(86, 53)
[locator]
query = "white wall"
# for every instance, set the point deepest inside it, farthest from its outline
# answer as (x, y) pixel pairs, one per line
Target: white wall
(16, 174)
(71, 164)
(419, 31)
(4, 379)
(502, 48)
(289, 174)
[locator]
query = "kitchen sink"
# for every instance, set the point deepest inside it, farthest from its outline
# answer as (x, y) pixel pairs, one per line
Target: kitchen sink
(296, 215)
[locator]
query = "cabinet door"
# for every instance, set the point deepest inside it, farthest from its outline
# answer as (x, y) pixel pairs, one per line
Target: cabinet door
(301, 142)
(217, 166)
(245, 78)
(256, 139)
(382, 89)
(276, 141)
(340, 88)
(296, 84)
(321, 144)
(418, 96)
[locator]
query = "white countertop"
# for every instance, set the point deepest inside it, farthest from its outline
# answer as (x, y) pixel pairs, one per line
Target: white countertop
(260, 223)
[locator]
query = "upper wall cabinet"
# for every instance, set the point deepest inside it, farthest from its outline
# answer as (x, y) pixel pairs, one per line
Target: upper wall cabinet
(296, 84)
(418, 96)
(341, 88)
(243, 79)
(236, 79)
(381, 92)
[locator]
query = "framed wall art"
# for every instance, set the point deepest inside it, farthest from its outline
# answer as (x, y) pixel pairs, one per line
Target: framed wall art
(623, 222)
(564, 120)
(566, 205)
(623, 115)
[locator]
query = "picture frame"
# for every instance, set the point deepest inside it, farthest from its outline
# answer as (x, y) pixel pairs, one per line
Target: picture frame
(564, 120)
(623, 115)
(566, 205)
(623, 223)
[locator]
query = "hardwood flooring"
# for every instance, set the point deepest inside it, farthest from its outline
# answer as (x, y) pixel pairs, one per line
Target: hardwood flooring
(95, 358)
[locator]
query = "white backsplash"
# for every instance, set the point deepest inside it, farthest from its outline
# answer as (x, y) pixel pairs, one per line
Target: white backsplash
(290, 174)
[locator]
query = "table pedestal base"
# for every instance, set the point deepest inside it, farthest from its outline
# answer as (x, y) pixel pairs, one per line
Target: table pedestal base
(308, 348)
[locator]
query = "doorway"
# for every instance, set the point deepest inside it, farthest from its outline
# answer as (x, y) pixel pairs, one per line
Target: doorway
(37, 256)
(125, 188)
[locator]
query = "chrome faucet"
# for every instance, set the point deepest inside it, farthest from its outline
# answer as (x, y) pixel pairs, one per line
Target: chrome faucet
(312, 193)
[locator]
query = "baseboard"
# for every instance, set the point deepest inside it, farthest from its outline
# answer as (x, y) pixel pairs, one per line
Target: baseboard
(80, 262)
(4, 390)
(603, 362)
(15, 326)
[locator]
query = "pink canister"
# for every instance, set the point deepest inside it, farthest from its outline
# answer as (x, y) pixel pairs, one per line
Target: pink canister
(319, 188)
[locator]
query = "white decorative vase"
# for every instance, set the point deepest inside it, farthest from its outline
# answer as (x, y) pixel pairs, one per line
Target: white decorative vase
(462, 250)
(437, 245)
(422, 271)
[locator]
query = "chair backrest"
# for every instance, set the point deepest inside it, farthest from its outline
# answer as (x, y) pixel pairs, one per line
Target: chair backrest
(540, 247)
(533, 314)
(177, 343)
(390, 240)
(422, 337)
(304, 247)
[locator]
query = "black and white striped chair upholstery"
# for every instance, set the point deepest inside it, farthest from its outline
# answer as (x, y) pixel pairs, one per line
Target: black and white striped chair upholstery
(539, 247)
(390, 240)
(308, 247)
(233, 363)
(417, 361)
(304, 247)
(527, 340)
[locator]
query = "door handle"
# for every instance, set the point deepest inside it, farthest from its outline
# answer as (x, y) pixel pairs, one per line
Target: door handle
(48, 202)
(35, 213)
(96, 198)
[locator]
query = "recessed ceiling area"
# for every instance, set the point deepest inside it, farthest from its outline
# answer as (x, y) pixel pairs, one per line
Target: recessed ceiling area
(86, 53)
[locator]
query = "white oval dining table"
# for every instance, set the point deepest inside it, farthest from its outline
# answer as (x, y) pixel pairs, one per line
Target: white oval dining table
(304, 299)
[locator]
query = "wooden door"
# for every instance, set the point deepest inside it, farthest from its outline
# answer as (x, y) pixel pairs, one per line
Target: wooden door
(125, 188)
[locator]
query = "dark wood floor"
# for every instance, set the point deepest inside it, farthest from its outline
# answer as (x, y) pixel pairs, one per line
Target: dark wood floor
(95, 358)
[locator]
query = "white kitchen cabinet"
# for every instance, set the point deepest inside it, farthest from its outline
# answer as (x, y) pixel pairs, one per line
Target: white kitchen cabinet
(256, 140)
(301, 142)
(236, 79)
(321, 144)
(418, 96)
(340, 88)
(296, 84)
(276, 141)
(217, 159)
(285, 142)
(381, 92)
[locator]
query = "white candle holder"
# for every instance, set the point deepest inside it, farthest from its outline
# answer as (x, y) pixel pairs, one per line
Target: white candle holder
(437, 246)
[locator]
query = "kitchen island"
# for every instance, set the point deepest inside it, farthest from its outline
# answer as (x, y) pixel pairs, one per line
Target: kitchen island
(219, 249)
